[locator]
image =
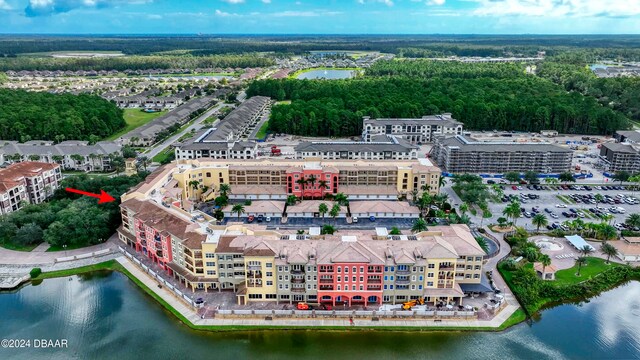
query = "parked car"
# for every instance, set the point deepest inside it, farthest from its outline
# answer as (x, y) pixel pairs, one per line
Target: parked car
(562, 206)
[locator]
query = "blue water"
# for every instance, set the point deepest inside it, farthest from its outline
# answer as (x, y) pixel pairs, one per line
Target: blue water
(327, 74)
(105, 316)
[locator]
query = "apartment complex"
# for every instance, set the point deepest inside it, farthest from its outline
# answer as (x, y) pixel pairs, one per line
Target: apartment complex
(415, 131)
(383, 147)
(228, 140)
(621, 157)
(27, 182)
(459, 154)
(71, 155)
(355, 267)
(276, 179)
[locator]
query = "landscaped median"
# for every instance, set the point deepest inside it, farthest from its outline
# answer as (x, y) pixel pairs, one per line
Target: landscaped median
(595, 277)
(114, 265)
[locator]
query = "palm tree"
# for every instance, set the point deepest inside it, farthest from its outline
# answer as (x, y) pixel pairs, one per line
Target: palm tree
(512, 211)
(551, 181)
(633, 220)
(440, 199)
(238, 209)
(608, 250)
(464, 207)
(539, 220)
(341, 199)
(323, 209)
(323, 185)
(442, 181)
(292, 200)
(302, 182)
(598, 198)
(224, 190)
(607, 218)
(502, 222)
(327, 229)
(419, 226)
(335, 211)
(608, 232)
(312, 180)
(34, 157)
(545, 260)
(580, 262)
(144, 161)
(586, 250)
(194, 185)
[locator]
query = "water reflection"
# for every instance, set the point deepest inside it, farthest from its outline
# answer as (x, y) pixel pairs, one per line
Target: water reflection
(106, 316)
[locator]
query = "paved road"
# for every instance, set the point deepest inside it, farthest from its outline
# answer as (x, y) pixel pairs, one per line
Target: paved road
(196, 125)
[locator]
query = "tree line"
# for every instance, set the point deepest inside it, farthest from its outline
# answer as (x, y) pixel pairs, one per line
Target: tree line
(134, 62)
(525, 103)
(69, 219)
(43, 116)
(449, 69)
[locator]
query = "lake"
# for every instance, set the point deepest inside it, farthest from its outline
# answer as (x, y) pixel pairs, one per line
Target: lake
(327, 74)
(104, 315)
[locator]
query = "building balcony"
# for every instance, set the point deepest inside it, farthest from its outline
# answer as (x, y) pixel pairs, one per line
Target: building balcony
(402, 282)
(374, 281)
(159, 253)
(326, 287)
(326, 281)
(297, 272)
(297, 290)
(403, 272)
(374, 287)
(254, 267)
(254, 274)
(446, 268)
(297, 280)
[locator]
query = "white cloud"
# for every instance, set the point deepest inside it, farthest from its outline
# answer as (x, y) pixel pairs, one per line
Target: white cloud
(50, 7)
(436, 2)
(266, 1)
(224, 13)
(234, 1)
(4, 5)
(559, 8)
(386, 2)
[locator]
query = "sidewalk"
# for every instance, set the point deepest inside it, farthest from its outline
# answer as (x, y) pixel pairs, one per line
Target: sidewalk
(190, 314)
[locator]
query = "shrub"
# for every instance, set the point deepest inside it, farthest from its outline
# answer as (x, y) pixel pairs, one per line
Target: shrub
(35, 272)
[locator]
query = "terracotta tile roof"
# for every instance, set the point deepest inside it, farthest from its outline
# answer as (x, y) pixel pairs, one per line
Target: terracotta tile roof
(17, 171)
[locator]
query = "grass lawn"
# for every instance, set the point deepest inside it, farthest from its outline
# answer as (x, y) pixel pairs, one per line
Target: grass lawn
(107, 265)
(164, 154)
(593, 267)
(16, 247)
(134, 119)
(565, 199)
(263, 130)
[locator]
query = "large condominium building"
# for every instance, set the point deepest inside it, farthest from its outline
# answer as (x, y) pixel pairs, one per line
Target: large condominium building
(72, 155)
(415, 131)
(460, 154)
(383, 147)
(225, 141)
(355, 267)
(279, 178)
(620, 157)
(27, 182)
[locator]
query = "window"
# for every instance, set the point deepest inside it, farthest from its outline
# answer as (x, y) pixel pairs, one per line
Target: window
(419, 287)
(361, 269)
(385, 278)
(280, 268)
(413, 287)
(270, 296)
(280, 277)
(210, 255)
(255, 296)
(284, 297)
(432, 266)
(385, 287)
(211, 272)
(339, 278)
(353, 270)
(346, 269)
(339, 287)
(420, 278)
(269, 265)
(353, 288)
(269, 273)
(361, 278)
(478, 258)
(361, 287)
(429, 283)
(391, 278)
(339, 269)
(390, 287)
(476, 276)
(280, 286)
(269, 283)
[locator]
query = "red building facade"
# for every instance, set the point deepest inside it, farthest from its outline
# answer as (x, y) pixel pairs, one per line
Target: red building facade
(350, 283)
(312, 182)
(154, 244)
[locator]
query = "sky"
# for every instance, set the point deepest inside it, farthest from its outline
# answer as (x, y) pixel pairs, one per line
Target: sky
(320, 16)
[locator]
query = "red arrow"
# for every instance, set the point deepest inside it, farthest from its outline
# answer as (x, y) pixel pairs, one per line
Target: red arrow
(103, 197)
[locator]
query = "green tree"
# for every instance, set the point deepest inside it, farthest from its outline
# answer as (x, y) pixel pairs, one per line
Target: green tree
(419, 225)
(512, 176)
(586, 250)
(29, 234)
(224, 190)
(395, 231)
(327, 229)
(502, 222)
(598, 198)
(580, 261)
(633, 220)
(464, 207)
(323, 209)
(531, 177)
(341, 199)
(513, 211)
(608, 250)
(566, 177)
(335, 211)
(194, 184)
(292, 200)
(238, 209)
(545, 260)
(539, 220)
(621, 176)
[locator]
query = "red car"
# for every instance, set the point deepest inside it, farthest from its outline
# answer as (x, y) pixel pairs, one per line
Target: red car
(250, 218)
(514, 187)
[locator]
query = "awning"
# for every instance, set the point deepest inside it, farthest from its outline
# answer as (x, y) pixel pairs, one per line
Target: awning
(482, 287)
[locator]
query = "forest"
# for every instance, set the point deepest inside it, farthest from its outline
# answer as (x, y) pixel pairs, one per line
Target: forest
(522, 103)
(69, 219)
(134, 62)
(43, 116)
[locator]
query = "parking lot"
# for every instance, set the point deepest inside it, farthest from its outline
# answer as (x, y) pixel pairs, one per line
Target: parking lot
(559, 205)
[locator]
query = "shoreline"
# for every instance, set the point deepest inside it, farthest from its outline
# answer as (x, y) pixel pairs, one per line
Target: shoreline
(517, 317)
